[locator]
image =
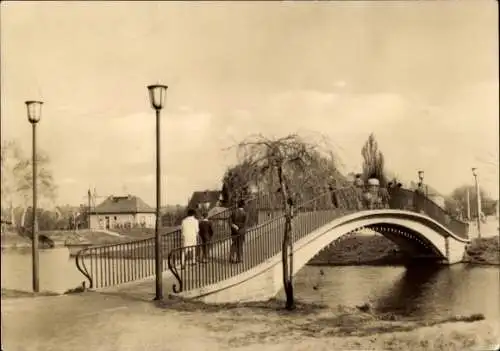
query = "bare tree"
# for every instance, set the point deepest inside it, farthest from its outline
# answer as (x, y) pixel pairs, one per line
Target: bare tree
(11, 155)
(17, 178)
(456, 202)
(300, 168)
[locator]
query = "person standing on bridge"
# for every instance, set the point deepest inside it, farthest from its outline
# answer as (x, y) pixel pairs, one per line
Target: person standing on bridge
(359, 186)
(238, 222)
(190, 229)
(206, 233)
(419, 198)
(385, 196)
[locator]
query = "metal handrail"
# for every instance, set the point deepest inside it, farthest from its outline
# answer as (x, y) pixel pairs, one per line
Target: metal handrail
(262, 234)
(111, 264)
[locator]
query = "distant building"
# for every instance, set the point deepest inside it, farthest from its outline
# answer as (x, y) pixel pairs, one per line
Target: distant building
(122, 211)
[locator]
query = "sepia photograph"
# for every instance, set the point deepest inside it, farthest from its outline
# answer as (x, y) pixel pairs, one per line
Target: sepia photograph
(250, 175)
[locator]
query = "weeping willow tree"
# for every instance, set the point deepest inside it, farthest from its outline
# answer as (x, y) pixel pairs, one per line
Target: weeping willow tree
(299, 169)
(236, 183)
(373, 161)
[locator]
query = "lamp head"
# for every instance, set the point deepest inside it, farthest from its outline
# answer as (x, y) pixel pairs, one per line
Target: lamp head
(34, 111)
(157, 94)
(474, 171)
(421, 175)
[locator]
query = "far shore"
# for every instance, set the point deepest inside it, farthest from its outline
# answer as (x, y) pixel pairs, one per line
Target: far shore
(375, 250)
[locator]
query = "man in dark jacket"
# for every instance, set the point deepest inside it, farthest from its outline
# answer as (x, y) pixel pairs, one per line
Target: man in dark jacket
(419, 198)
(238, 222)
(206, 233)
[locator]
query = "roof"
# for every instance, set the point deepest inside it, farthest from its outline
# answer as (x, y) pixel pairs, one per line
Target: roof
(123, 204)
(199, 197)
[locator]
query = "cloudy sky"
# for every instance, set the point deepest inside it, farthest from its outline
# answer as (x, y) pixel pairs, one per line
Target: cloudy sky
(423, 76)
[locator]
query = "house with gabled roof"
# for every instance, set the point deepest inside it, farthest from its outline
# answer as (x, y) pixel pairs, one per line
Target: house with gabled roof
(122, 212)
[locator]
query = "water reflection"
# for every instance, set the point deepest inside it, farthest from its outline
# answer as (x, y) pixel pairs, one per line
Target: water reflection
(408, 294)
(419, 291)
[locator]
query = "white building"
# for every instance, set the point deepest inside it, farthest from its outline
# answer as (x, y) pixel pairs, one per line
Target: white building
(122, 211)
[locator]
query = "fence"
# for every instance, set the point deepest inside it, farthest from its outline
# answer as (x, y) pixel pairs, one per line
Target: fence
(117, 263)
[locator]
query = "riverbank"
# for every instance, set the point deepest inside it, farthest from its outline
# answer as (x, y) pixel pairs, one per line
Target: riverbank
(11, 240)
(484, 251)
(13, 294)
(268, 326)
(359, 250)
(50, 239)
(104, 322)
(377, 250)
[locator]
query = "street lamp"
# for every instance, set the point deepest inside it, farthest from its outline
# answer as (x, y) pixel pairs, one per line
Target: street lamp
(421, 179)
(34, 113)
(421, 176)
(478, 198)
(157, 94)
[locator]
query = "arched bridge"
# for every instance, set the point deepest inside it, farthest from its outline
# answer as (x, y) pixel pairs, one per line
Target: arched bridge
(418, 226)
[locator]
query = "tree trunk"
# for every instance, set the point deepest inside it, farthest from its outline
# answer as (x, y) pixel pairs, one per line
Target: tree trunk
(23, 217)
(287, 245)
(12, 216)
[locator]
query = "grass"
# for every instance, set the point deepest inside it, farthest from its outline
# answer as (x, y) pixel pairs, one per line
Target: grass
(341, 328)
(271, 306)
(92, 237)
(142, 233)
(14, 240)
(484, 251)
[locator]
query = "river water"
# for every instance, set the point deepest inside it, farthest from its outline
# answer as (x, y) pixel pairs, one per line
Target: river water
(417, 291)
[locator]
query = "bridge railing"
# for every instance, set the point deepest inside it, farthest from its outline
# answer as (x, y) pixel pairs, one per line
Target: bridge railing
(259, 243)
(422, 204)
(265, 240)
(113, 264)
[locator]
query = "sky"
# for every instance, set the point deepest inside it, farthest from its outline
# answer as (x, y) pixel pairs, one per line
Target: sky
(422, 76)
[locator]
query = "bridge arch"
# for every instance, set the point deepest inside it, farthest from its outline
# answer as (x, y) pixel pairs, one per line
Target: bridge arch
(415, 233)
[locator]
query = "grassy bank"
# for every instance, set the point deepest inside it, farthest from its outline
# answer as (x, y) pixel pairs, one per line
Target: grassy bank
(143, 233)
(484, 251)
(11, 240)
(377, 250)
(267, 326)
(12, 294)
(360, 249)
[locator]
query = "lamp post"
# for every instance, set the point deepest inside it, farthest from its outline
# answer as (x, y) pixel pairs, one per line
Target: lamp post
(468, 203)
(157, 94)
(478, 198)
(34, 113)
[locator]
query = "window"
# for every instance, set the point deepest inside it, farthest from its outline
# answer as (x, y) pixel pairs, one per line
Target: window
(115, 218)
